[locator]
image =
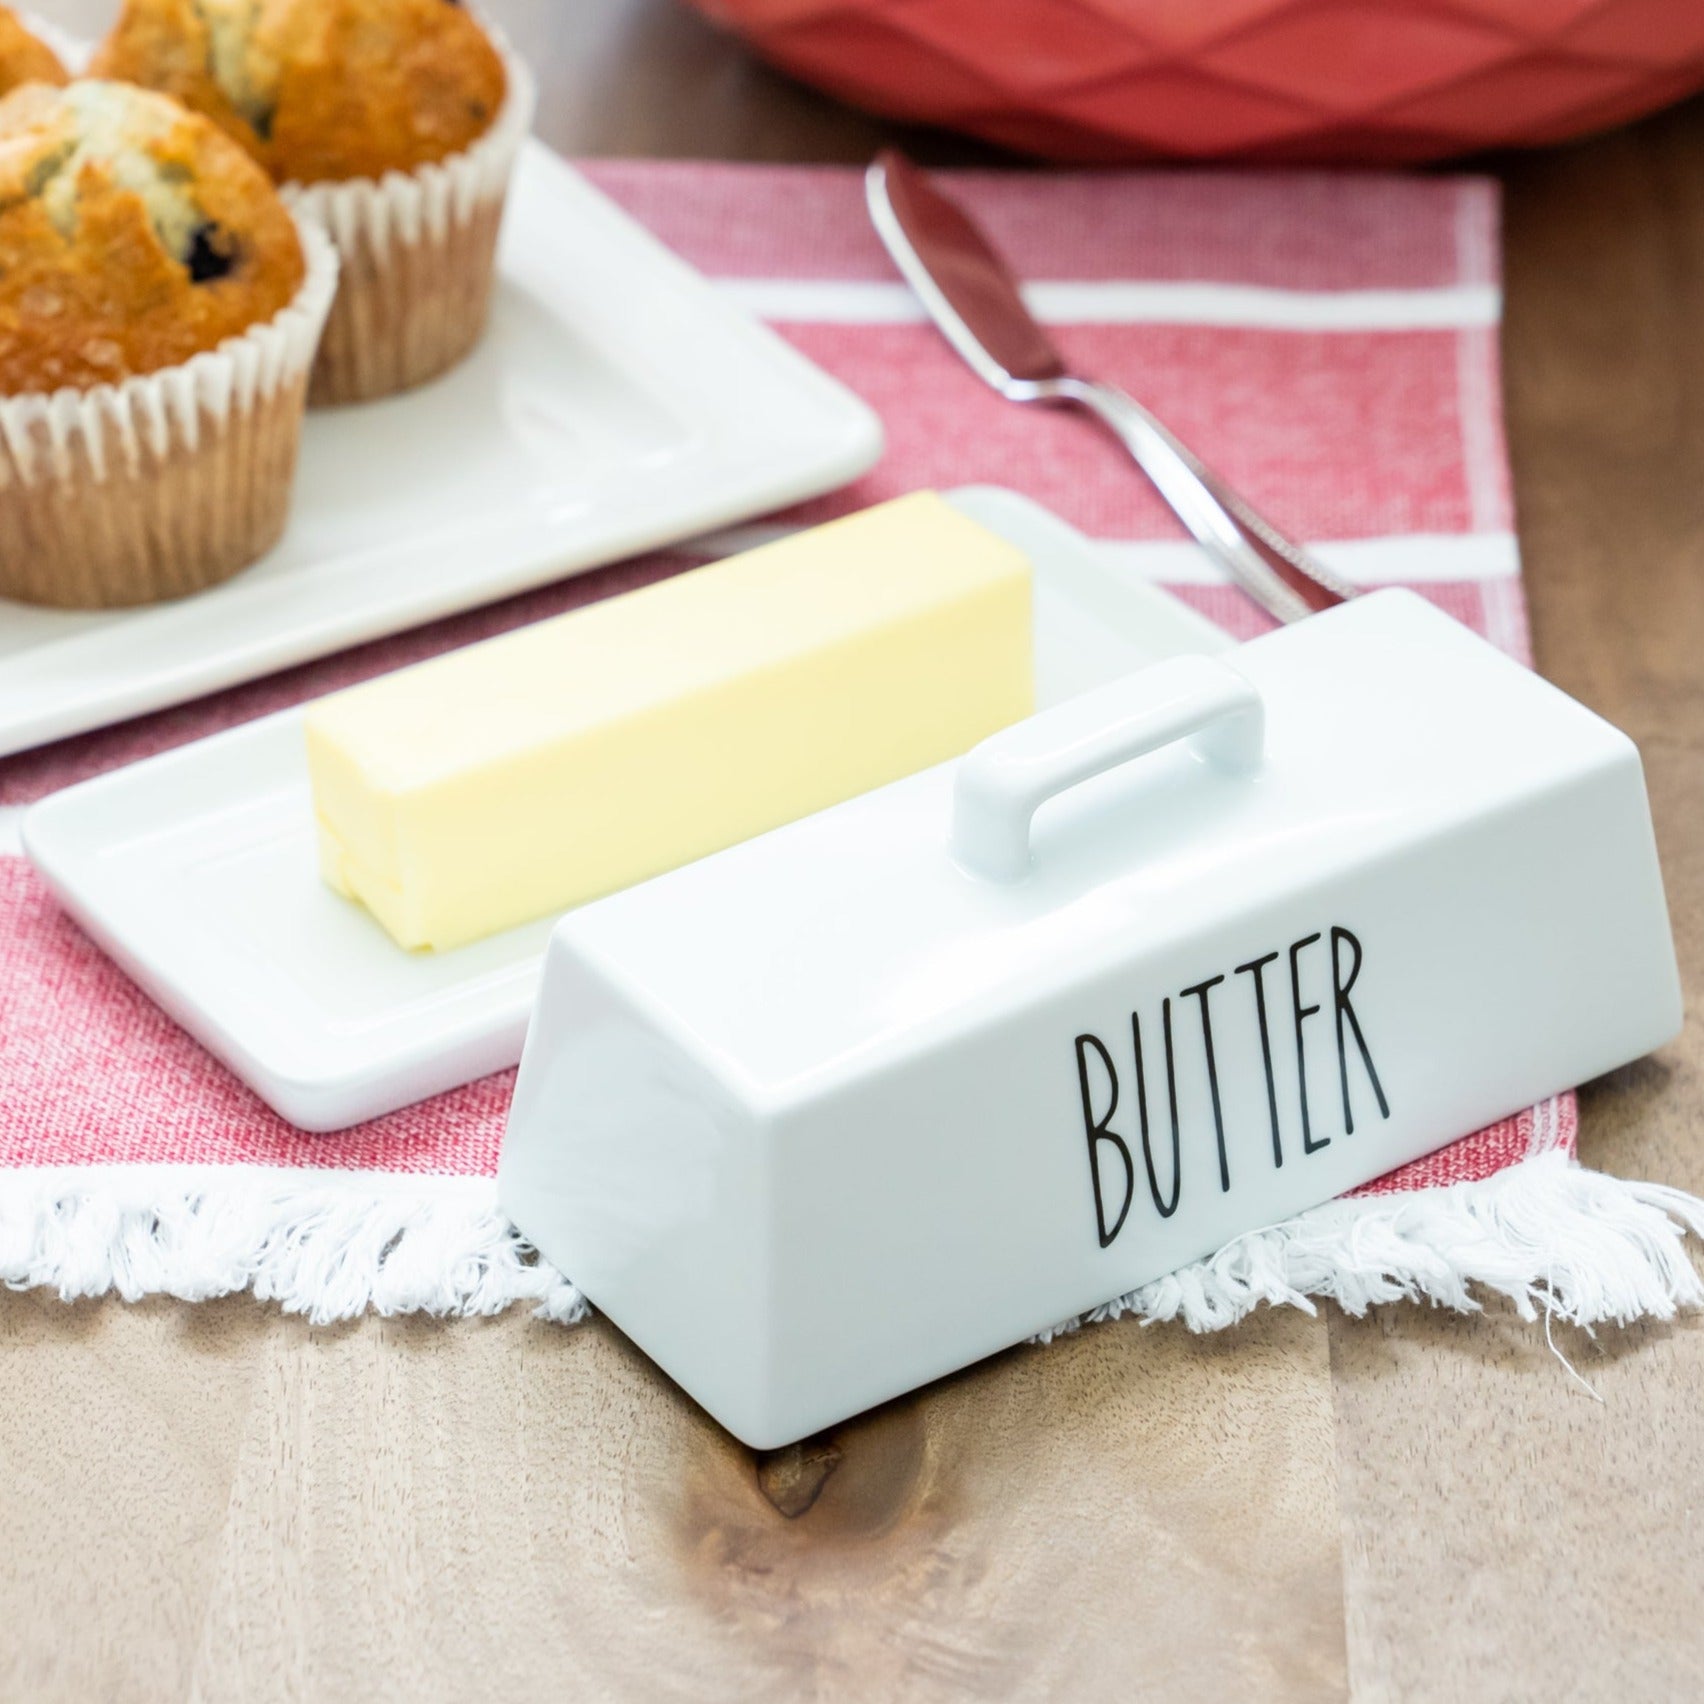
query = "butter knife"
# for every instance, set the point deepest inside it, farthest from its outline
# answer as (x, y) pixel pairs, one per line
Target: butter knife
(974, 301)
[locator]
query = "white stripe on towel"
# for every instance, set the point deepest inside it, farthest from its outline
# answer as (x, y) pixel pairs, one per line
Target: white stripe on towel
(827, 301)
(1404, 559)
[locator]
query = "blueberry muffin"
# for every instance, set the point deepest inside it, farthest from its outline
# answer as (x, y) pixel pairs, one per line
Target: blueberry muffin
(159, 309)
(23, 57)
(394, 122)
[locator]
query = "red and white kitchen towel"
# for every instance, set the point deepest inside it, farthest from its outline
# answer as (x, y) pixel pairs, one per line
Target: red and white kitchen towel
(1330, 343)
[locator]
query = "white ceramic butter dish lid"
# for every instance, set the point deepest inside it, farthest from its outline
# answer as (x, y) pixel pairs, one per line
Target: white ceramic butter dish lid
(1178, 958)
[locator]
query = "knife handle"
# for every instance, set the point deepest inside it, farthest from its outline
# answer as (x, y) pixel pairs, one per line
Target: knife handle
(1281, 576)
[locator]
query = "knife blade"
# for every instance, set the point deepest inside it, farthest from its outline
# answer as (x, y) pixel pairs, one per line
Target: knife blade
(970, 293)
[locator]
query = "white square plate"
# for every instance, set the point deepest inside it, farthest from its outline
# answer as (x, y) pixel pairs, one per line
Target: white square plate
(618, 403)
(197, 871)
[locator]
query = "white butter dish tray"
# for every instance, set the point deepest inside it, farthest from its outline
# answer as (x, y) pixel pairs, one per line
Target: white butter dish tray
(619, 402)
(196, 870)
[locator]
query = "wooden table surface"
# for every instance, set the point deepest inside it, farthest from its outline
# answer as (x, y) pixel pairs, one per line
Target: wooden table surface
(220, 1503)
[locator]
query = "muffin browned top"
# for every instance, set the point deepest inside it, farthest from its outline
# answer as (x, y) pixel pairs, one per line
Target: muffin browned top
(133, 235)
(319, 90)
(24, 58)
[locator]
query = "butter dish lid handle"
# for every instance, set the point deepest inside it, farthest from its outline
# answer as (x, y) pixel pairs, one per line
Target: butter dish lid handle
(1002, 783)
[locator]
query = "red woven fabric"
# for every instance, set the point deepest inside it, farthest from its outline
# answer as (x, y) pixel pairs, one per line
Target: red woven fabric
(1337, 434)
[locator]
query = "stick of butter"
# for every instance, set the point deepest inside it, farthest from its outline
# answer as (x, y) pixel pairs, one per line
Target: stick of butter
(544, 768)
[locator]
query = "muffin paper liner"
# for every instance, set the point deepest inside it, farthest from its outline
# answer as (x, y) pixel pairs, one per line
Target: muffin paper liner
(418, 252)
(169, 482)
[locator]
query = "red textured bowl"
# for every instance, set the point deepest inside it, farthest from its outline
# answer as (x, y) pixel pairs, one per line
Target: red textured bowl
(1108, 80)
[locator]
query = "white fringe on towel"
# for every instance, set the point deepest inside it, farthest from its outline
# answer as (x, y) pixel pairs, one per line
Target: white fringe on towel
(322, 1244)
(1548, 1235)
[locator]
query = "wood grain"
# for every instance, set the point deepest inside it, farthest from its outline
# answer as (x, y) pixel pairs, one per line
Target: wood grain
(218, 1503)
(424, 1510)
